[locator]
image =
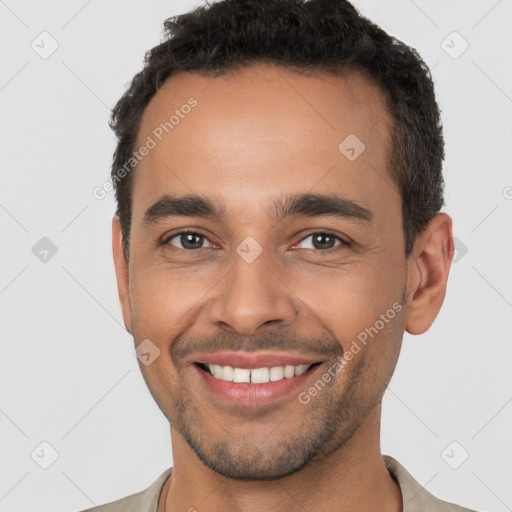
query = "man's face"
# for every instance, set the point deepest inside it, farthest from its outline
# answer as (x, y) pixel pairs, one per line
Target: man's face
(254, 139)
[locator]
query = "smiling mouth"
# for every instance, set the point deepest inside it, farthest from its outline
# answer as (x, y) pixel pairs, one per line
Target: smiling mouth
(255, 375)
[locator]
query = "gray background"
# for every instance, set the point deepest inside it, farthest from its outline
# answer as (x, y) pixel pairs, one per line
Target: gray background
(68, 374)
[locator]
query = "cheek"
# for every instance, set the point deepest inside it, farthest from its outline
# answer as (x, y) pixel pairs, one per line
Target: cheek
(349, 299)
(164, 299)
(360, 306)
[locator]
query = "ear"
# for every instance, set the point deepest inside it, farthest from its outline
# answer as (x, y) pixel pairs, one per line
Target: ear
(122, 272)
(427, 272)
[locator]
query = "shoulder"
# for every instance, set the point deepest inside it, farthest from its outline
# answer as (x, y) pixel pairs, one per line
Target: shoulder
(143, 501)
(415, 497)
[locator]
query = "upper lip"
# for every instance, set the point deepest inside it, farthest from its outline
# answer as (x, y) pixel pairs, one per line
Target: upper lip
(250, 360)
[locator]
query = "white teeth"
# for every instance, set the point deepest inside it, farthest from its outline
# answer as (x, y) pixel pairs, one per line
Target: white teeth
(256, 375)
(216, 370)
(226, 373)
(289, 371)
(241, 375)
(276, 373)
(260, 375)
(299, 370)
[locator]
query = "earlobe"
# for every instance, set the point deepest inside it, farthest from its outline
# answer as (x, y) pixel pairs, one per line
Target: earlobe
(428, 270)
(122, 271)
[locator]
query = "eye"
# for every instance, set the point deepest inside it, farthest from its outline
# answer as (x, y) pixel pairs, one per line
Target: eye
(187, 240)
(323, 241)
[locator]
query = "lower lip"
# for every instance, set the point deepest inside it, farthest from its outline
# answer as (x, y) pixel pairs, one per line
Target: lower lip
(251, 395)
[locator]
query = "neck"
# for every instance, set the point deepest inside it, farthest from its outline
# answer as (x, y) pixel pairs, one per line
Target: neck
(351, 477)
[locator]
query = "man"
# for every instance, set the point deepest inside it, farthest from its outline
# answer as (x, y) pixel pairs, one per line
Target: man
(279, 186)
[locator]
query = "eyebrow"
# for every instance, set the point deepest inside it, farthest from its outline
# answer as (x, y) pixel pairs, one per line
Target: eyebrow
(302, 205)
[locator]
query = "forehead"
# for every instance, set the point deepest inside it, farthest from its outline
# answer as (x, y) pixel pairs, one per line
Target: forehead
(264, 129)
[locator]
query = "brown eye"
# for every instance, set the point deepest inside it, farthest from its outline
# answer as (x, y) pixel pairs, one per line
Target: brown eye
(322, 241)
(188, 240)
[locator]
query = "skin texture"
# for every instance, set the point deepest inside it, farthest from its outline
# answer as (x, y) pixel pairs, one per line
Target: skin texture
(254, 135)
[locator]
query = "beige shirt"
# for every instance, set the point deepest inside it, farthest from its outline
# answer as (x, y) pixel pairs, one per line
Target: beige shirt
(415, 497)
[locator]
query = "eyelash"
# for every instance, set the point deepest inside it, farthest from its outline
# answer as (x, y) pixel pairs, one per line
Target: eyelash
(344, 243)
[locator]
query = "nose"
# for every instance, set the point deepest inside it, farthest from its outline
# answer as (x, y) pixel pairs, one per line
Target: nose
(250, 296)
